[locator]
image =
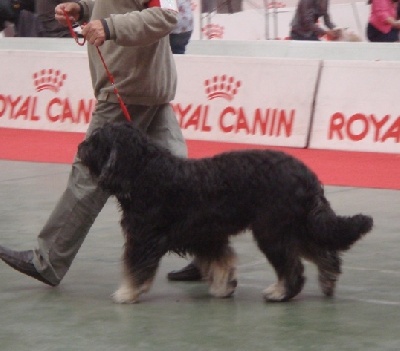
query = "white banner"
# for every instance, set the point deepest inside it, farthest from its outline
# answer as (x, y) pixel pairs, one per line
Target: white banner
(357, 107)
(246, 100)
(45, 90)
(261, 101)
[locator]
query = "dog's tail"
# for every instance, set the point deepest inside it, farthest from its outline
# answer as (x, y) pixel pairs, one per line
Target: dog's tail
(336, 232)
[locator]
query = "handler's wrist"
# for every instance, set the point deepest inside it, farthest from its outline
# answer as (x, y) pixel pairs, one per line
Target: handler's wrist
(106, 29)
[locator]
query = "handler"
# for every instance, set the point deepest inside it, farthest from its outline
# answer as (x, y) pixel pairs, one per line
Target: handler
(136, 45)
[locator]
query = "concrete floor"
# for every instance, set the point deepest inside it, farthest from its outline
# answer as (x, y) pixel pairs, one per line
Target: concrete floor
(79, 314)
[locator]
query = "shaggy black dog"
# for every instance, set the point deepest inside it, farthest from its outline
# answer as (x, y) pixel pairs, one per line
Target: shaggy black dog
(188, 206)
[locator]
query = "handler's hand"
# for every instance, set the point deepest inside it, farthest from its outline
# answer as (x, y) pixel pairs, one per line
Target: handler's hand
(334, 34)
(94, 33)
(71, 8)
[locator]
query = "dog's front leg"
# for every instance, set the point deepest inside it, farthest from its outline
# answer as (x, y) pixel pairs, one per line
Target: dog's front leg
(140, 263)
(129, 291)
(126, 293)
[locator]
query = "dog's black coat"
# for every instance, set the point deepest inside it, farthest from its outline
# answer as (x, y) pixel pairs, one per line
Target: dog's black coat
(190, 206)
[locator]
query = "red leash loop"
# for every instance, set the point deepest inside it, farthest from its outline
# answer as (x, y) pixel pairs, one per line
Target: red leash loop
(110, 76)
(71, 30)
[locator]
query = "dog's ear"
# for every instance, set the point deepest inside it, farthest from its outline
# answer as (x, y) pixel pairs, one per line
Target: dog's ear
(108, 175)
(113, 177)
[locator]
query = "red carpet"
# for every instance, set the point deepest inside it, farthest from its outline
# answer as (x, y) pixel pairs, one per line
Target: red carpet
(357, 169)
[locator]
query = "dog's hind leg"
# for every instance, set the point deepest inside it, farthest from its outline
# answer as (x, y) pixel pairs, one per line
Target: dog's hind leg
(329, 268)
(281, 251)
(220, 272)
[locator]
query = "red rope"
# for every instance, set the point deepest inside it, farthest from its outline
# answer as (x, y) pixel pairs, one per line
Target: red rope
(71, 30)
(110, 76)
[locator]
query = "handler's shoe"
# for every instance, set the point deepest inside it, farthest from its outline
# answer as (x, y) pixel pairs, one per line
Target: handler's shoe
(188, 273)
(22, 261)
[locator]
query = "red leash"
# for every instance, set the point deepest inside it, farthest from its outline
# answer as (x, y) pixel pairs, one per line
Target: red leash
(110, 76)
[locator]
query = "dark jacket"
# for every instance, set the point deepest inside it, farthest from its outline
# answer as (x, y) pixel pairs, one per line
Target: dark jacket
(305, 21)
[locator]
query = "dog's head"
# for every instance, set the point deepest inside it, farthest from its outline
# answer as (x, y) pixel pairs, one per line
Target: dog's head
(113, 154)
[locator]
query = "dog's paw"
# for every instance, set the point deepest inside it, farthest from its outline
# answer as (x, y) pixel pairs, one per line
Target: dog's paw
(275, 292)
(327, 282)
(125, 295)
(222, 291)
(223, 285)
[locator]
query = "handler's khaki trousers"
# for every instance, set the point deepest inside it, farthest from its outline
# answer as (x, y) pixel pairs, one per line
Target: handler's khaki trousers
(81, 202)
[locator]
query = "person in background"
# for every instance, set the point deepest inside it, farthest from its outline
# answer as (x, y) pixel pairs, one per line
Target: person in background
(18, 17)
(34, 18)
(304, 25)
(50, 27)
(133, 36)
(180, 35)
(8, 14)
(382, 23)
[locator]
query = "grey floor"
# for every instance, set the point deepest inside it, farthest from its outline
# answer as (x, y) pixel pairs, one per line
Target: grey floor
(79, 314)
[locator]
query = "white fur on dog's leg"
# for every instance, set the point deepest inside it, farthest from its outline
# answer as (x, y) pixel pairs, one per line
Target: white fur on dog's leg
(125, 294)
(275, 292)
(223, 282)
(128, 292)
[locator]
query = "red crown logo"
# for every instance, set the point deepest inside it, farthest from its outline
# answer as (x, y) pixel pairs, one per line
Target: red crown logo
(50, 79)
(212, 31)
(221, 87)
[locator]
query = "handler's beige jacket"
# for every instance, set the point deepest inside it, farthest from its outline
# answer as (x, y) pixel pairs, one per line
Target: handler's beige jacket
(138, 53)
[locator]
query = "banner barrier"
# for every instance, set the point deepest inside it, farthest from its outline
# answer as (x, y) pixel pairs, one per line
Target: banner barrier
(260, 101)
(250, 100)
(45, 91)
(357, 107)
